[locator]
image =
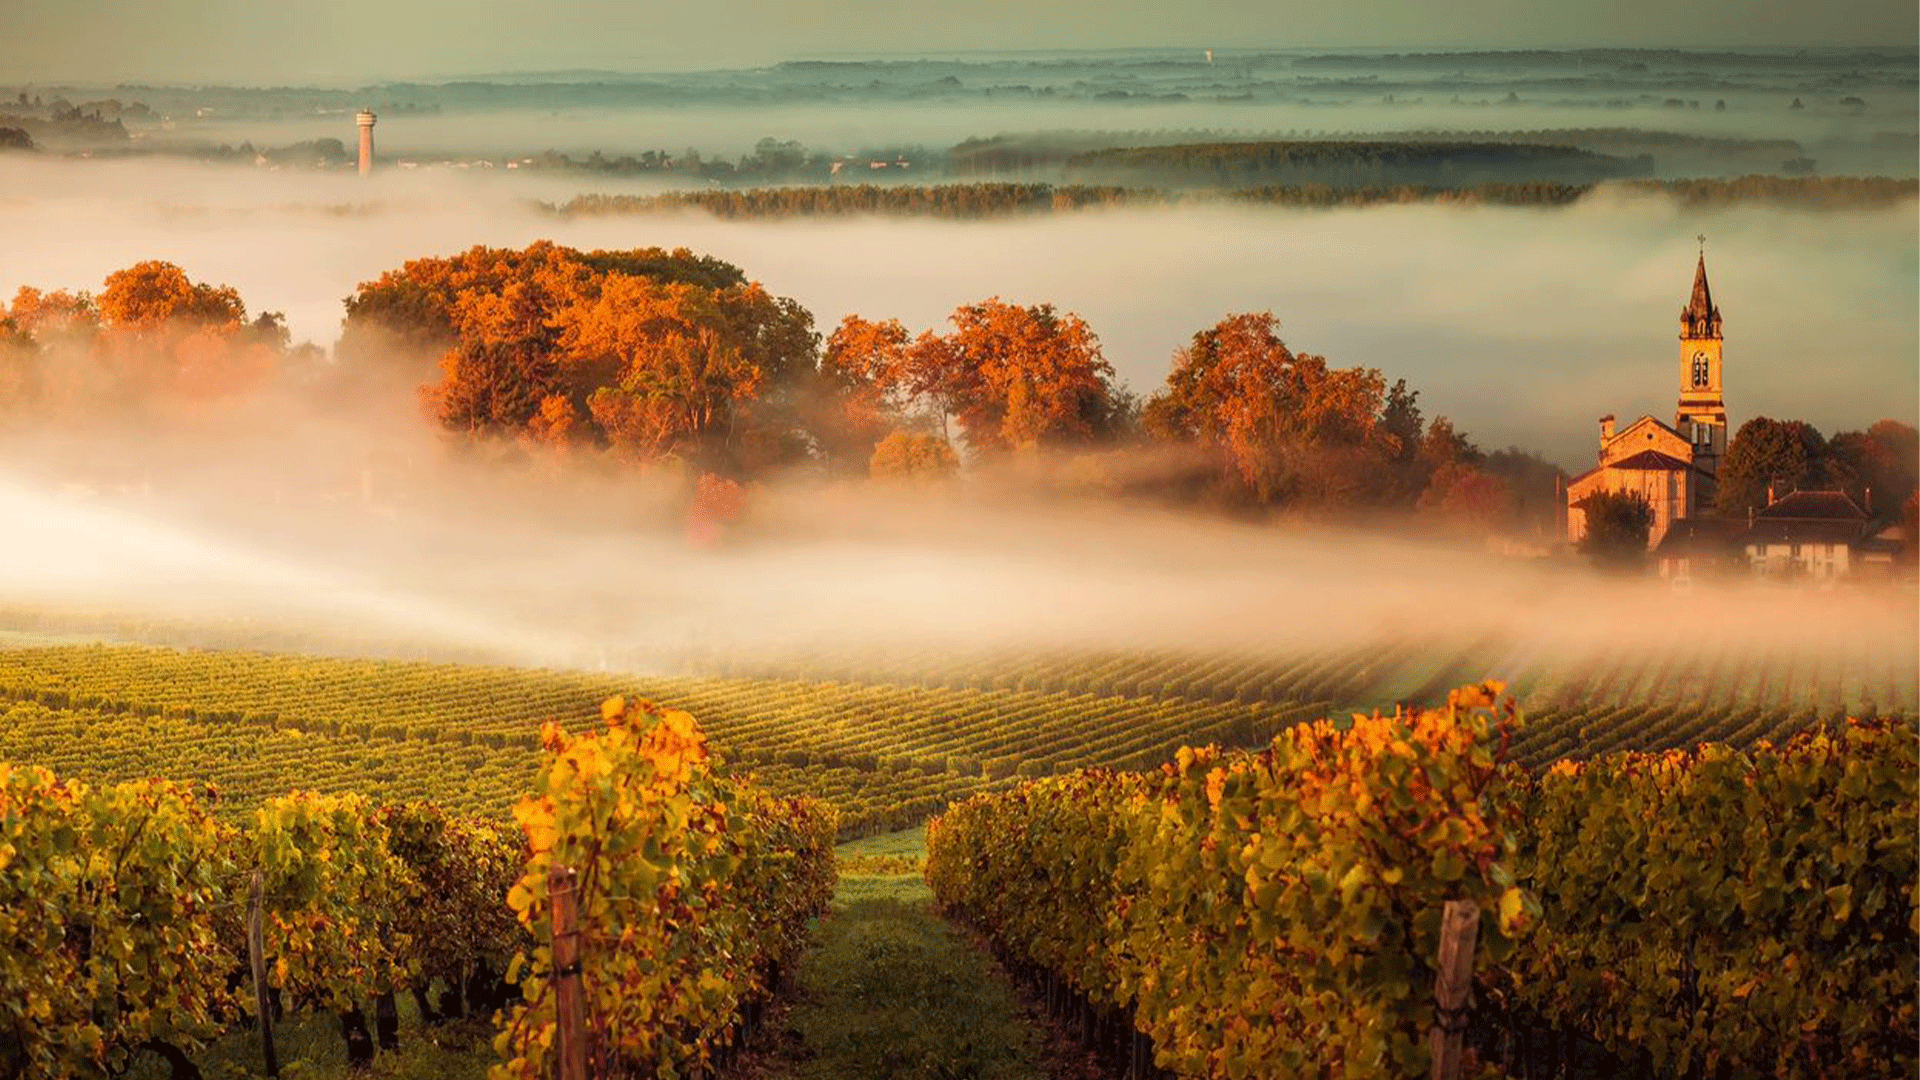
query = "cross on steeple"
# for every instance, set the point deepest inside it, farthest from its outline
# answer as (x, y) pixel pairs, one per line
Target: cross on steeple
(1703, 243)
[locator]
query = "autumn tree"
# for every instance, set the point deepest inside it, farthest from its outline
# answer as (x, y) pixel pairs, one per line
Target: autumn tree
(860, 392)
(1466, 496)
(644, 353)
(1878, 467)
(1442, 446)
(679, 372)
(47, 359)
(913, 457)
(407, 316)
(154, 294)
(1288, 426)
(152, 337)
(505, 361)
(45, 316)
(1015, 378)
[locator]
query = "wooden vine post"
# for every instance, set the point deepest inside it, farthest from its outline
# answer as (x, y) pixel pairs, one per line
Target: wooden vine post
(1453, 986)
(570, 1002)
(257, 960)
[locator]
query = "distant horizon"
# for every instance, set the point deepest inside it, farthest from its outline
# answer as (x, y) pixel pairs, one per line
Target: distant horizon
(243, 42)
(910, 55)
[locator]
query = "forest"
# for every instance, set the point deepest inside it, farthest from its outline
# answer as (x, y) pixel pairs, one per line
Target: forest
(987, 200)
(1351, 163)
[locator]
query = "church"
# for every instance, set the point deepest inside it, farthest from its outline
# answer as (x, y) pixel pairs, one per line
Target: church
(1672, 466)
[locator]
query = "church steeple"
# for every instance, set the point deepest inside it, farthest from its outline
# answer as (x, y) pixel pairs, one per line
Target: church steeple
(1700, 320)
(1702, 412)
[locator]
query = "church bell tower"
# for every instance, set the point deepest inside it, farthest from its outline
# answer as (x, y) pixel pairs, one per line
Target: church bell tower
(1702, 415)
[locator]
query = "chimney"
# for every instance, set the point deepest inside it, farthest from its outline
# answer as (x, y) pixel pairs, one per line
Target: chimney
(1770, 499)
(365, 120)
(1606, 428)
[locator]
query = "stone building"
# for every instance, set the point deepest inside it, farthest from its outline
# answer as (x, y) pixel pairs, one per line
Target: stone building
(1812, 534)
(1671, 465)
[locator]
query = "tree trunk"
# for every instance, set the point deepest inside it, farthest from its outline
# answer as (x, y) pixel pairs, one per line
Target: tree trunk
(386, 1021)
(353, 1028)
(428, 1015)
(453, 999)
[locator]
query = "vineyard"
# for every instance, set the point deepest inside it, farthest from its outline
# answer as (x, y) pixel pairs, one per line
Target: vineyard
(1316, 853)
(132, 918)
(887, 742)
(468, 737)
(1697, 914)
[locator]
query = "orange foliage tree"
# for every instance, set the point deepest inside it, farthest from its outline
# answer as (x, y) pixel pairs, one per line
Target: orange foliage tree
(1016, 377)
(152, 337)
(860, 392)
(1287, 426)
(913, 458)
(644, 353)
(1464, 495)
(152, 294)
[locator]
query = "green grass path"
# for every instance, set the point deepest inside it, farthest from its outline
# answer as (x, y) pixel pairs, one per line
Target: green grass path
(891, 991)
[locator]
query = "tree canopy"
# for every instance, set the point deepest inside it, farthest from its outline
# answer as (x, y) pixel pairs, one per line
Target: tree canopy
(644, 353)
(1782, 454)
(1880, 465)
(1017, 377)
(1618, 524)
(1286, 425)
(152, 338)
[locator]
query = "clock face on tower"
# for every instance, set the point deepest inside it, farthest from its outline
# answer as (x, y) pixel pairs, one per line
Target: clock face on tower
(1700, 371)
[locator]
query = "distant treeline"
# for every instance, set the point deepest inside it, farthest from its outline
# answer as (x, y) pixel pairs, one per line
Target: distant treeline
(1616, 140)
(937, 200)
(1673, 151)
(1804, 192)
(1355, 163)
(1034, 155)
(88, 129)
(975, 201)
(1618, 59)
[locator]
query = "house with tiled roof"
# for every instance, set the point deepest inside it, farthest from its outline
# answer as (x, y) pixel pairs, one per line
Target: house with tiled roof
(1814, 534)
(1701, 545)
(1673, 465)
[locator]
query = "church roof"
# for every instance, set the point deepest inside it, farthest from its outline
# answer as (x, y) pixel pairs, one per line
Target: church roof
(1700, 305)
(1651, 461)
(1644, 461)
(1814, 506)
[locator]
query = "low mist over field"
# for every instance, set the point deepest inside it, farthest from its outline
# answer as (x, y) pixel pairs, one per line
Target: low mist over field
(1570, 313)
(260, 538)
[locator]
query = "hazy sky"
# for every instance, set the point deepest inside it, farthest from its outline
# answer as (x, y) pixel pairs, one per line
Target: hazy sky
(334, 41)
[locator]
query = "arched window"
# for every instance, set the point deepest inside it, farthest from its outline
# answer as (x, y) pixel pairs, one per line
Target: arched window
(1700, 370)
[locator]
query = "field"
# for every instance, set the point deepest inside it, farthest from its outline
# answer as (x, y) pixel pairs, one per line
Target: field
(888, 741)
